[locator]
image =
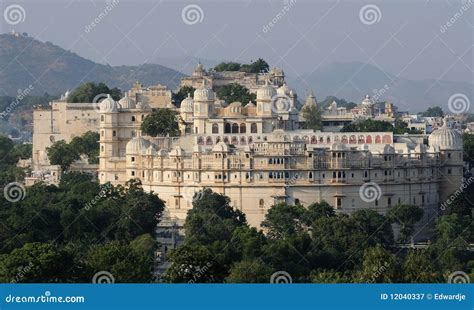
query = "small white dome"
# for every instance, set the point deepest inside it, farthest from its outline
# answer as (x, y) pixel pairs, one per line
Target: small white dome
(108, 105)
(204, 93)
(367, 100)
(265, 92)
(127, 103)
(137, 145)
(446, 139)
(187, 104)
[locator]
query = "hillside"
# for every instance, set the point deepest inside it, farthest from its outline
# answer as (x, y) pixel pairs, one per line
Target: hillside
(408, 95)
(51, 69)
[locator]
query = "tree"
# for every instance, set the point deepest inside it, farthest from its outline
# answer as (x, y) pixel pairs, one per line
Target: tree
(368, 125)
(419, 267)
(258, 66)
(235, 92)
(88, 91)
(161, 122)
(433, 112)
(125, 263)
(62, 154)
(406, 216)
(183, 93)
(194, 264)
(401, 128)
(312, 118)
(87, 144)
(375, 225)
(283, 220)
(227, 66)
(250, 271)
(35, 263)
(378, 266)
(468, 149)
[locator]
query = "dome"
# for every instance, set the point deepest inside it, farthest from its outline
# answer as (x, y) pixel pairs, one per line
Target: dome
(220, 147)
(127, 102)
(266, 92)
(367, 100)
(204, 94)
(446, 138)
(137, 145)
(187, 104)
(339, 147)
(284, 90)
(108, 105)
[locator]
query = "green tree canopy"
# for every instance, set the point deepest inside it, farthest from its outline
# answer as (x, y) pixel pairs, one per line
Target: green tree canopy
(406, 216)
(88, 91)
(227, 66)
(161, 122)
(433, 112)
(312, 118)
(64, 154)
(235, 92)
(183, 93)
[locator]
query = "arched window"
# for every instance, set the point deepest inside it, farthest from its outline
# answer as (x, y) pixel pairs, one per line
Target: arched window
(101, 118)
(235, 128)
(208, 141)
(261, 203)
(227, 128)
(368, 140)
(253, 128)
(215, 128)
(352, 139)
(114, 133)
(133, 118)
(313, 140)
(200, 141)
(378, 140)
(242, 141)
(387, 139)
(361, 139)
(234, 140)
(243, 128)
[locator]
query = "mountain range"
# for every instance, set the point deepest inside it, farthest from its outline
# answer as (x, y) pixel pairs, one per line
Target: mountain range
(52, 69)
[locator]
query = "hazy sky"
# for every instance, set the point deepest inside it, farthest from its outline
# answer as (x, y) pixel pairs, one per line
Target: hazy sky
(405, 38)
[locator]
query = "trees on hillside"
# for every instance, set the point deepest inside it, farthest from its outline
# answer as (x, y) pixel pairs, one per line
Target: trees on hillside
(88, 91)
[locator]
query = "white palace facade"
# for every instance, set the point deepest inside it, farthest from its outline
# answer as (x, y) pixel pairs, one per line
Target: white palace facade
(257, 155)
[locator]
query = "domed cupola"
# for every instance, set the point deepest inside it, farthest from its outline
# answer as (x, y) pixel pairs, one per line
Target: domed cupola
(187, 104)
(265, 92)
(446, 138)
(137, 145)
(127, 103)
(367, 101)
(204, 93)
(108, 105)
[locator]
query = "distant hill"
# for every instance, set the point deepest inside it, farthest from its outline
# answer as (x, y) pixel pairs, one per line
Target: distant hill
(412, 95)
(24, 60)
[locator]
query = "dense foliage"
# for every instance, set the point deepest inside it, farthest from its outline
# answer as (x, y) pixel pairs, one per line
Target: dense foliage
(370, 125)
(182, 94)
(10, 153)
(316, 244)
(161, 122)
(312, 118)
(88, 91)
(235, 92)
(70, 232)
(64, 154)
(258, 66)
(433, 112)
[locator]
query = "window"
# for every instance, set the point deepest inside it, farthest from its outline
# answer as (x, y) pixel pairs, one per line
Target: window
(389, 201)
(114, 133)
(297, 201)
(243, 129)
(102, 148)
(376, 202)
(133, 159)
(253, 128)
(215, 128)
(133, 173)
(101, 118)
(102, 133)
(133, 118)
(261, 203)
(339, 202)
(235, 128)
(449, 155)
